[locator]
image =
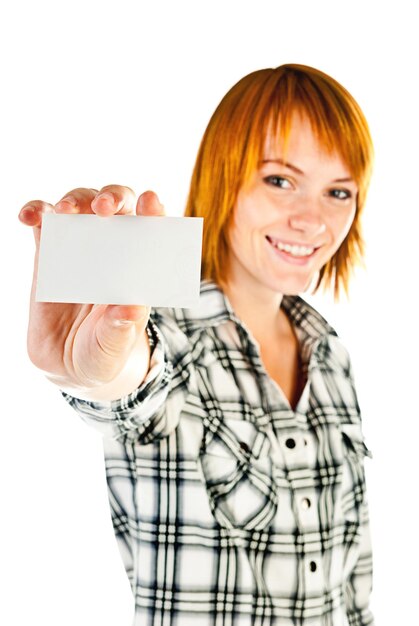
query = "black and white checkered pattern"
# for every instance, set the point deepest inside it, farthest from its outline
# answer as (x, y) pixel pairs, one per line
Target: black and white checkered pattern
(230, 508)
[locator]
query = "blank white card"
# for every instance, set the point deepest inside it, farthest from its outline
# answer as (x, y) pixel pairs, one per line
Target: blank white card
(123, 259)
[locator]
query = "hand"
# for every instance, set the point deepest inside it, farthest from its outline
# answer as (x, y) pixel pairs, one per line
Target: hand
(85, 345)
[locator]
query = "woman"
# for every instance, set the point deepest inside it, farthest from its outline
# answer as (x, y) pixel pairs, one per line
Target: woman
(232, 432)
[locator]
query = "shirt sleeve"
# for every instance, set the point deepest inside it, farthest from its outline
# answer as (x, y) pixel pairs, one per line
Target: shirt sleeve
(359, 586)
(153, 410)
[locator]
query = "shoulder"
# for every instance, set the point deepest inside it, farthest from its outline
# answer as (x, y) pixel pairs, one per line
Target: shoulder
(304, 315)
(210, 311)
(328, 349)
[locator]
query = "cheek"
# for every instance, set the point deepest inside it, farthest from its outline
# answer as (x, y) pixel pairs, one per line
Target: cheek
(242, 227)
(343, 226)
(234, 240)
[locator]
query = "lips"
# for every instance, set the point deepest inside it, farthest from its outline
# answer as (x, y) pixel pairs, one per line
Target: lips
(297, 250)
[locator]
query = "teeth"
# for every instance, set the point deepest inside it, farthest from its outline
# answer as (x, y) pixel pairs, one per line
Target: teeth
(293, 250)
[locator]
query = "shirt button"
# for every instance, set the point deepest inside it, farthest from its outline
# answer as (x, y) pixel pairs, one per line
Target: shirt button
(306, 503)
(290, 443)
(313, 566)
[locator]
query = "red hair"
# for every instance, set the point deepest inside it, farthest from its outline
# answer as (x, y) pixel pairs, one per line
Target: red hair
(234, 141)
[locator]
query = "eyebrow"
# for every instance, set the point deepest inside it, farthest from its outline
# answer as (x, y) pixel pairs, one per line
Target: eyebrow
(298, 171)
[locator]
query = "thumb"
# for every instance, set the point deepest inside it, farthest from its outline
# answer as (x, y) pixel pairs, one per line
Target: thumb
(124, 315)
(149, 204)
(105, 340)
(117, 326)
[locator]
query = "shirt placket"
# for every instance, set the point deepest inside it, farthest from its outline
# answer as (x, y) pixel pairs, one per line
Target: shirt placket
(292, 451)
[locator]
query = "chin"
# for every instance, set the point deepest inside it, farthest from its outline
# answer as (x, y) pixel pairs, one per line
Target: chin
(291, 287)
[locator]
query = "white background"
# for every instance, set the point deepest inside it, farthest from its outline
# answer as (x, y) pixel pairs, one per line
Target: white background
(95, 93)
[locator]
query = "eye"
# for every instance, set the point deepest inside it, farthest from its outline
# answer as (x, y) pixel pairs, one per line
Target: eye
(278, 181)
(340, 194)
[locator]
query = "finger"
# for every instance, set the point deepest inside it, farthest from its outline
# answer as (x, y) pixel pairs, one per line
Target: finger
(31, 215)
(76, 201)
(113, 200)
(149, 204)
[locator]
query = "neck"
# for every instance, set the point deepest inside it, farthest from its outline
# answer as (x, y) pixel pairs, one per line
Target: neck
(259, 310)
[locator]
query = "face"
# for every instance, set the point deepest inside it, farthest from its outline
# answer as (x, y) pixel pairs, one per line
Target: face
(292, 216)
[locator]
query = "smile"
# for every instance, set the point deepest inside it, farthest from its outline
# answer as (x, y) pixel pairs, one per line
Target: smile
(293, 250)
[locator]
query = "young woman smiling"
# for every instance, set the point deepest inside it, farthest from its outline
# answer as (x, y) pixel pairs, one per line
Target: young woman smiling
(232, 432)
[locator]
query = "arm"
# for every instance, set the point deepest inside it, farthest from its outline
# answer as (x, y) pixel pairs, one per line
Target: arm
(358, 567)
(359, 585)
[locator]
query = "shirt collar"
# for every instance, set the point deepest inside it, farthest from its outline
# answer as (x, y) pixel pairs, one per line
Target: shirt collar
(215, 308)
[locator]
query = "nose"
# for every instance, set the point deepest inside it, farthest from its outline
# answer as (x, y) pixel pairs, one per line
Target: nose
(306, 219)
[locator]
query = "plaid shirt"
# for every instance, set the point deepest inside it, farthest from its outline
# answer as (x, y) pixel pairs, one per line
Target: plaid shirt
(229, 507)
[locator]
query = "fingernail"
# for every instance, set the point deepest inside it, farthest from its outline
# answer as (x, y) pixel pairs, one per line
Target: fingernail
(29, 210)
(105, 197)
(68, 204)
(26, 213)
